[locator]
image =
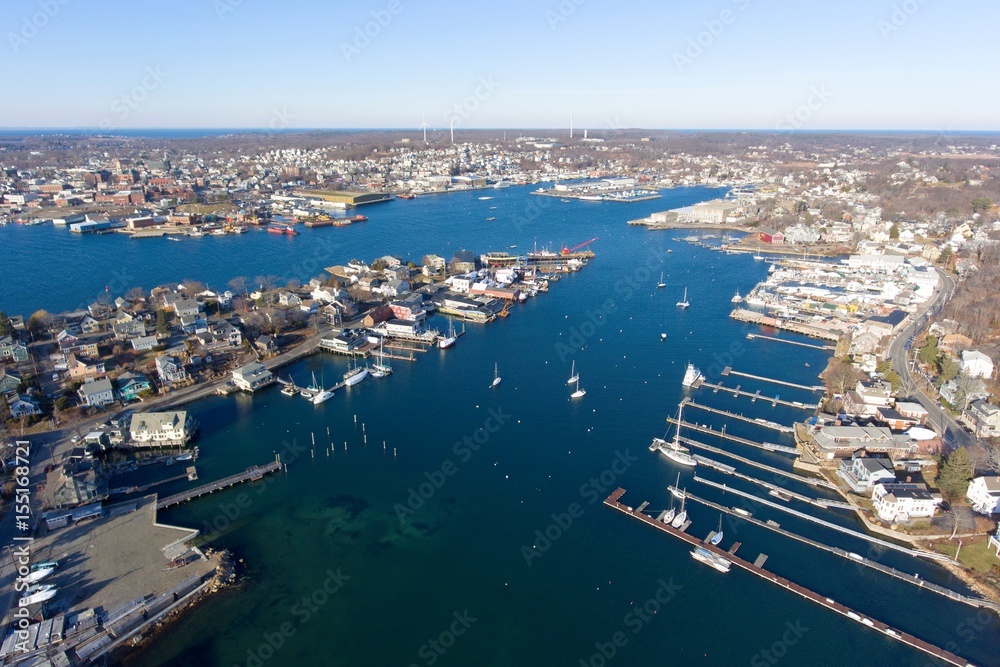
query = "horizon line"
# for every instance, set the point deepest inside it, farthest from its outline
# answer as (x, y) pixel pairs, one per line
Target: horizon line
(288, 130)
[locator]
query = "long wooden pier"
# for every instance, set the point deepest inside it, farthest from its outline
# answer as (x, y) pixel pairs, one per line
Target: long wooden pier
(853, 557)
(766, 446)
(773, 400)
(612, 501)
(751, 336)
(818, 502)
(251, 474)
(781, 428)
(814, 481)
(814, 387)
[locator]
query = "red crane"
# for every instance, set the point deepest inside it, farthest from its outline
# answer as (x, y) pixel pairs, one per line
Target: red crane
(567, 251)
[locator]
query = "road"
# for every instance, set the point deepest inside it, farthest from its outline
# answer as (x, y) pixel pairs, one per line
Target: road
(952, 432)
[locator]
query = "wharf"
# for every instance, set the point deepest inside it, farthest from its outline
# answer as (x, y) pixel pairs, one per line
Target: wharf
(252, 473)
(814, 481)
(814, 387)
(737, 392)
(767, 446)
(753, 317)
(929, 555)
(751, 336)
(853, 557)
(730, 470)
(612, 501)
(781, 428)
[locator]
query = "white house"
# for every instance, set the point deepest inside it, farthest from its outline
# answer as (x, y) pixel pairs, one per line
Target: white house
(984, 494)
(252, 377)
(161, 428)
(901, 502)
(977, 364)
(97, 393)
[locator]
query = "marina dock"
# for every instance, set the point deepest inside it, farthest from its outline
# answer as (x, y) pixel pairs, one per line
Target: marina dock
(811, 330)
(781, 428)
(831, 348)
(815, 387)
(612, 501)
(767, 446)
(853, 557)
(814, 481)
(729, 470)
(251, 474)
(773, 400)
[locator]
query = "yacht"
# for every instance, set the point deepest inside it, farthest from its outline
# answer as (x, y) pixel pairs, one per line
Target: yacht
(757, 256)
(691, 376)
(496, 376)
(661, 283)
(673, 449)
(322, 393)
(684, 303)
(445, 343)
(573, 375)
(712, 560)
(737, 298)
(355, 375)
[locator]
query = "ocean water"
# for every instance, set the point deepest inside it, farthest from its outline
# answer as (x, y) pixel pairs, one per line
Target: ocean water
(475, 535)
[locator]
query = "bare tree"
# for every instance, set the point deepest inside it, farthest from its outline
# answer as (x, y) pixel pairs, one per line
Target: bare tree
(135, 294)
(239, 283)
(840, 376)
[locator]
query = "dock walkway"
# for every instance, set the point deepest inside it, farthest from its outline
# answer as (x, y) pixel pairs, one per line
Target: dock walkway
(751, 336)
(781, 428)
(814, 481)
(773, 400)
(767, 446)
(814, 387)
(818, 502)
(252, 473)
(612, 501)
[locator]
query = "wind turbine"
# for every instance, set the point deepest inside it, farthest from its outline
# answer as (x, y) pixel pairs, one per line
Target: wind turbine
(451, 127)
(423, 126)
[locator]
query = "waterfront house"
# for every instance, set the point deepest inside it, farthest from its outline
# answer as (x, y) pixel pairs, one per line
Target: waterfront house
(21, 405)
(96, 394)
(143, 343)
(170, 369)
(897, 502)
(252, 377)
(90, 325)
(396, 327)
(433, 262)
(81, 368)
(862, 471)
(12, 349)
(266, 344)
(68, 486)
(172, 429)
(842, 441)
(187, 307)
(10, 379)
(130, 385)
(867, 397)
(984, 494)
(289, 299)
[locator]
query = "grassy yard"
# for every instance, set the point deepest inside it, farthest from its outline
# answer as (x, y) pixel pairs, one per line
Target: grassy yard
(973, 556)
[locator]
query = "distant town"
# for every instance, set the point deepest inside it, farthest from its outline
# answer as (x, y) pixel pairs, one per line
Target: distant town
(885, 251)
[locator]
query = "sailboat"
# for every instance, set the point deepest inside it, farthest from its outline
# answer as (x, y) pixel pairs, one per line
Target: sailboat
(447, 342)
(496, 376)
(579, 393)
(673, 449)
(683, 303)
(671, 513)
(681, 516)
(573, 377)
(355, 375)
(718, 534)
(661, 283)
(381, 369)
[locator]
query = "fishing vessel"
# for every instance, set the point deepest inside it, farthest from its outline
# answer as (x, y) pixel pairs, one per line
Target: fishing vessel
(573, 375)
(718, 534)
(355, 375)
(684, 303)
(496, 376)
(712, 560)
(737, 298)
(691, 376)
(661, 283)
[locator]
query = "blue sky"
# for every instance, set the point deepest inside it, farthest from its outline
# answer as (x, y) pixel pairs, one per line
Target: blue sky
(777, 64)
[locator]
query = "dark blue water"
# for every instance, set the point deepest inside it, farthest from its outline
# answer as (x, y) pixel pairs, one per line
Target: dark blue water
(348, 564)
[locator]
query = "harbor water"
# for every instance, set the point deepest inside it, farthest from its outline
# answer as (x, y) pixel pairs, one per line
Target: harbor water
(440, 521)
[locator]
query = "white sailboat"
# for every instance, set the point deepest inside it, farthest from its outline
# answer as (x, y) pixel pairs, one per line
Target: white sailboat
(684, 303)
(661, 283)
(496, 376)
(448, 341)
(355, 375)
(380, 369)
(573, 376)
(579, 393)
(681, 516)
(673, 449)
(671, 513)
(718, 534)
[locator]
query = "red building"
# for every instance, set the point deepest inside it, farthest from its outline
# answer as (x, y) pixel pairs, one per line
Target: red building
(772, 236)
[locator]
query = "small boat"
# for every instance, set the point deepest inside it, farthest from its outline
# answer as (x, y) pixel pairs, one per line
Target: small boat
(681, 516)
(355, 375)
(407, 196)
(737, 298)
(42, 594)
(44, 565)
(757, 256)
(715, 561)
(671, 513)
(579, 393)
(490, 219)
(322, 395)
(684, 303)
(35, 576)
(573, 376)
(661, 284)
(691, 376)
(196, 233)
(663, 336)
(485, 198)
(496, 376)
(450, 339)
(718, 534)
(173, 238)
(676, 491)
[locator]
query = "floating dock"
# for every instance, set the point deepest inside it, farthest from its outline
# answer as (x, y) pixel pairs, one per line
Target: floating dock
(751, 336)
(781, 428)
(766, 446)
(251, 474)
(815, 387)
(729, 470)
(612, 501)
(737, 392)
(814, 481)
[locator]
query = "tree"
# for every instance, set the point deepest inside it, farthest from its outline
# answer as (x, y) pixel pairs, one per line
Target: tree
(955, 474)
(135, 294)
(840, 376)
(64, 403)
(948, 369)
(929, 354)
(239, 283)
(39, 322)
(162, 322)
(6, 326)
(981, 204)
(192, 287)
(946, 255)
(894, 231)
